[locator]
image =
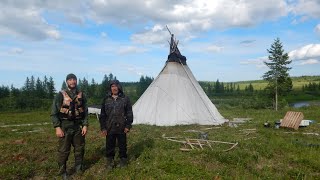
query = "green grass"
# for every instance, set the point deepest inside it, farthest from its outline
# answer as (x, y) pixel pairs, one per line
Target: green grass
(267, 153)
(297, 82)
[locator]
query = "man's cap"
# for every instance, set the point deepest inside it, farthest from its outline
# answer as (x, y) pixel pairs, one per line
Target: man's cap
(71, 76)
(114, 82)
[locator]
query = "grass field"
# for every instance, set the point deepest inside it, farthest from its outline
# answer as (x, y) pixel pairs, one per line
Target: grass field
(297, 82)
(28, 152)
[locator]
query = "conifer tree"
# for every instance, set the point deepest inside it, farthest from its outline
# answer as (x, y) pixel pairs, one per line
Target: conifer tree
(64, 85)
(279, 82)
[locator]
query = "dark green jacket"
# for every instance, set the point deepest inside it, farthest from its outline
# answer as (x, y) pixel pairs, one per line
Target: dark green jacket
(116, 114)
(57, 102)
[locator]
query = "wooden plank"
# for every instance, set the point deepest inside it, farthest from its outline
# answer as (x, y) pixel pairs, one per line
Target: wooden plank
(288, 117)
(295, 122)
(292, 120)
(188, 142)
(284, 120)
(298, 121)
(200, 144)
(209, 145)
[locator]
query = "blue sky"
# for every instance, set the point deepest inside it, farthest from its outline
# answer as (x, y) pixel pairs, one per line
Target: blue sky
(225, 40)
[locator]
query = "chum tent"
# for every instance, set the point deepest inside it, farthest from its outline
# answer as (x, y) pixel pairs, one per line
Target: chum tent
(175, 97)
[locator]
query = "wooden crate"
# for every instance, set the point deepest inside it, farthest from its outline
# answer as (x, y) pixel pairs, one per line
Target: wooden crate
(292, 120)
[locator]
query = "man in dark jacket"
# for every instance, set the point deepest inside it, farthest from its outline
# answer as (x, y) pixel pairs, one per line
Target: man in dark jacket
(116, 118)
(69, 116)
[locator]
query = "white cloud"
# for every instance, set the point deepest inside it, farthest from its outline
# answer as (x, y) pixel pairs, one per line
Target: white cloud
(150, 37)
(307, 8)
(311, 51)
(201, 48)
(133, 69)
(300, 20)
(310, 61)
(306, 55)
(16, 51)
(214, 48)
(53, 34)
(186, 18)
(103, 34)
(190, 18)
(25, 23)
(259, 62)
(130, 50)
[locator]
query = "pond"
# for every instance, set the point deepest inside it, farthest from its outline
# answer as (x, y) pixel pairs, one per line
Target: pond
(305, 104)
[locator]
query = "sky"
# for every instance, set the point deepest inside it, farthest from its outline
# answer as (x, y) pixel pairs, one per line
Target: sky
(222, 39)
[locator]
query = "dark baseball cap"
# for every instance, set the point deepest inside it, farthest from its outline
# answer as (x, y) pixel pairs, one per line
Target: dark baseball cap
(71, 76)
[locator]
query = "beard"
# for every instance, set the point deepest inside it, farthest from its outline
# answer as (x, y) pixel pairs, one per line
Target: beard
(72, 87)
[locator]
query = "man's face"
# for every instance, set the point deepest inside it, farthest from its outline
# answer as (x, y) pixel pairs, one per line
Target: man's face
(72, 83)
(114, 89)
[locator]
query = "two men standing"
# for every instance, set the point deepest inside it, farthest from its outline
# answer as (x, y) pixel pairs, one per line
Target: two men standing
(70, 119)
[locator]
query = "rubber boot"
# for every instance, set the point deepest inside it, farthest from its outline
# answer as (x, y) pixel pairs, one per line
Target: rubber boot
(63, 171)
(64, 176)
(123, 162)
(110, 163)
(78, 169)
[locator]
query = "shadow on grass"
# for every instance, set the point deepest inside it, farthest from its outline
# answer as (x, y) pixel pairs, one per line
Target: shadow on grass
(136, 149)
(94, 158)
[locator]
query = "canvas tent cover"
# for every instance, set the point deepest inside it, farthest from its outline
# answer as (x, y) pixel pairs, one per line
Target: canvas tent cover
(175, 98)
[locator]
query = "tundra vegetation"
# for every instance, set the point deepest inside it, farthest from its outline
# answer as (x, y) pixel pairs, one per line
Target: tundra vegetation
(28, 142)
(28, 147)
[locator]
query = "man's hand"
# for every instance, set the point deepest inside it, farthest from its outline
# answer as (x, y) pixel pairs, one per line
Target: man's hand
(59, 132)
(84, 130)
(104, 133)
(126, 130)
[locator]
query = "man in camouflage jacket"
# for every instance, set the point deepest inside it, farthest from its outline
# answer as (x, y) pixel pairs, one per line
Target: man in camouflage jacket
(116, 118)
(69, 116)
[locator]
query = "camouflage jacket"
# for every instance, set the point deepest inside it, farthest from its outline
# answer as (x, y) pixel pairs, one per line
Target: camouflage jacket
(116, 114)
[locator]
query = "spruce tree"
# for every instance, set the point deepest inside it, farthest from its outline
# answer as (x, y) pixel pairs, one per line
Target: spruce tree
(85, 85)
(104, 86)
(51, 89)
(92, 88)
(40, 91)
(64, 85)
(279, 82)
(32, 84)
(45, 85)
(26, 87)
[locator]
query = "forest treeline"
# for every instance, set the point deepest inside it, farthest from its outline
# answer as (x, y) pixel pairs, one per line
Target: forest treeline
(38, 93)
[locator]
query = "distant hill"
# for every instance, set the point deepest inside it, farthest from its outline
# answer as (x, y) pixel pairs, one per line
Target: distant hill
(298, 82)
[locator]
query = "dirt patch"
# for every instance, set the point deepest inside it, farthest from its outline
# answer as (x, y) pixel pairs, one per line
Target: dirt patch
(19, 141)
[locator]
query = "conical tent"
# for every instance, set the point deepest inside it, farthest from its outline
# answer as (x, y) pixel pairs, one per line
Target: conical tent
(175, 97)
